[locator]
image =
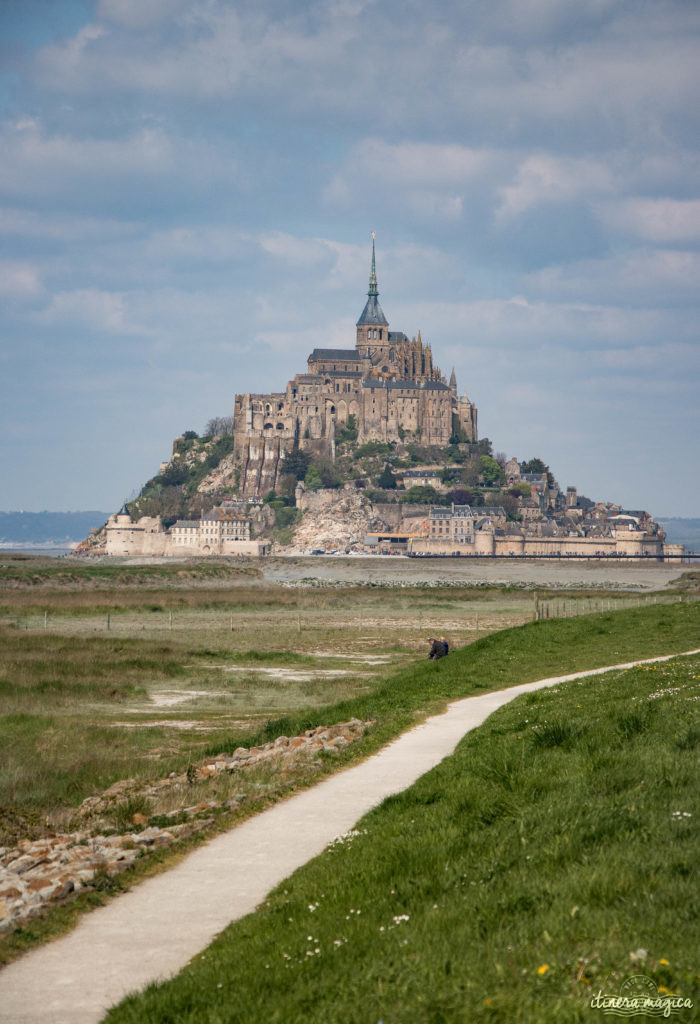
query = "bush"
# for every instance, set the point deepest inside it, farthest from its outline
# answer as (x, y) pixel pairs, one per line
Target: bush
(313, 479)
(286, 516)
(371, 448)
(419, 495)
(348, 432)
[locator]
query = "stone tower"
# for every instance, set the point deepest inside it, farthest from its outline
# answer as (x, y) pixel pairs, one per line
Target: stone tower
(373, 326)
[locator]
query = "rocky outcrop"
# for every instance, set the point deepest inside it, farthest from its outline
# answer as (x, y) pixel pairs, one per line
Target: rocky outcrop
(36, 873)
(333, 520)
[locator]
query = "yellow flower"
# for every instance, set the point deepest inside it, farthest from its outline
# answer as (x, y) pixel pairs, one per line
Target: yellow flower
(543, 969)
(487, 1002)
(664, 991)
(663, 961)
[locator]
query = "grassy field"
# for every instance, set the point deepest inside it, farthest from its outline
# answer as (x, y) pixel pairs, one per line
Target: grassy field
(549, 859)
(138, 679)
(110, 673)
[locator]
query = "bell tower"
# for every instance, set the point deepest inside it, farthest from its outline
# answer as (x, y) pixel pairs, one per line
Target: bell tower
(373, 326)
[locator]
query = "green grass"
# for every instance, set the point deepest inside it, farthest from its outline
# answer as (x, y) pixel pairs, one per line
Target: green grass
(510, 884)
(42, 571)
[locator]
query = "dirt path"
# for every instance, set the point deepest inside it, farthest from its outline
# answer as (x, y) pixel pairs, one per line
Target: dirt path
(151, 932)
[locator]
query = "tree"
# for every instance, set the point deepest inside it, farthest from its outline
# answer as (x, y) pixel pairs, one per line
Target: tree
(329, 474)
(175, 473)
(510, 504)
(482, 447)
(297, 462)
(520, 489)
(490, 470)
(219, 426)
(287, 486)
(190, 435)
(386, 479)
(538, 466)
(313, 479)
(461, 497)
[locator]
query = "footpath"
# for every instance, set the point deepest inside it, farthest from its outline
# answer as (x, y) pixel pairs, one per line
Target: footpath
(151, 932)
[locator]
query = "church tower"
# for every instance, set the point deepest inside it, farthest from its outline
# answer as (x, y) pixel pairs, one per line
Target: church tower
(373, 326)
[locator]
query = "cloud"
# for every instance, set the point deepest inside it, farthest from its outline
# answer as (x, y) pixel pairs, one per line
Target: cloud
(542, 178)
(19, 281)
(137, 15)
(88, 308)
(642, 277)
(147, 163)
(433, 180)
(53, 226)
(656, 220)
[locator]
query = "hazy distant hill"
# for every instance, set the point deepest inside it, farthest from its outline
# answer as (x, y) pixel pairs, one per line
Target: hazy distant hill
(54, 528)
(682, 531)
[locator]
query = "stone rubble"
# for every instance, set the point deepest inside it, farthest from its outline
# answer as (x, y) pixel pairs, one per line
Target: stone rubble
(35, 873)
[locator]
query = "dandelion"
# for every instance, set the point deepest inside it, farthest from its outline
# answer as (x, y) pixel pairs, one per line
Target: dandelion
(664, 961)
(542, 969)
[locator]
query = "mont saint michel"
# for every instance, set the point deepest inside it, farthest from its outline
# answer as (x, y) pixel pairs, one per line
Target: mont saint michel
(371, 448)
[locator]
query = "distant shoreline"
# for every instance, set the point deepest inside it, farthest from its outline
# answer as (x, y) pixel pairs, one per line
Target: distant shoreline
(48, 550)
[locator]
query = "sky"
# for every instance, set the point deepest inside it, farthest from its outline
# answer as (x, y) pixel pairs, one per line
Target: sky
(188, 190)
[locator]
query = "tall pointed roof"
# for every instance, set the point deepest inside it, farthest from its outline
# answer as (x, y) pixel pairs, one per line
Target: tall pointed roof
(373, 313)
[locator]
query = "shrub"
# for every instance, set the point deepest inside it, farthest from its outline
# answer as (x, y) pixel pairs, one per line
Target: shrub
(123, 814)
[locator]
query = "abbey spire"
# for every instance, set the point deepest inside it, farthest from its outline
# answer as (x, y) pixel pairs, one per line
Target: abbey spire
(372, 327)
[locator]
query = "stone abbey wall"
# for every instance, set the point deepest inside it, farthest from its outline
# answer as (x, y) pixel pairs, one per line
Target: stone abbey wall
(388, 383)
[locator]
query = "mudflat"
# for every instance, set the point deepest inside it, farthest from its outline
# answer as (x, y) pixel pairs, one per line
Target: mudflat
(400, 571)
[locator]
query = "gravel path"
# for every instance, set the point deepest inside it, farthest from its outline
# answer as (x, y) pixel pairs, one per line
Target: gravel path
(151, 932)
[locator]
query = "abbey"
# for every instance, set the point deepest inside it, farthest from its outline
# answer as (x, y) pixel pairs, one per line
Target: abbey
(388, 384)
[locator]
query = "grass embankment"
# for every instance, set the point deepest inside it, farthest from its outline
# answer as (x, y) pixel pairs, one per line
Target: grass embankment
(51, 571)
(550, 858)
(58, 746)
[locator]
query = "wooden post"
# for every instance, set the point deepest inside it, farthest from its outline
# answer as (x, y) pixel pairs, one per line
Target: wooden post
(170, 621)
(298, 621)
(108, 620)
(46, 620)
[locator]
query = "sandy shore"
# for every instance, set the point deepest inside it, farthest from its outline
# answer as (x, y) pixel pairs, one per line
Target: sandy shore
(398, 571)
